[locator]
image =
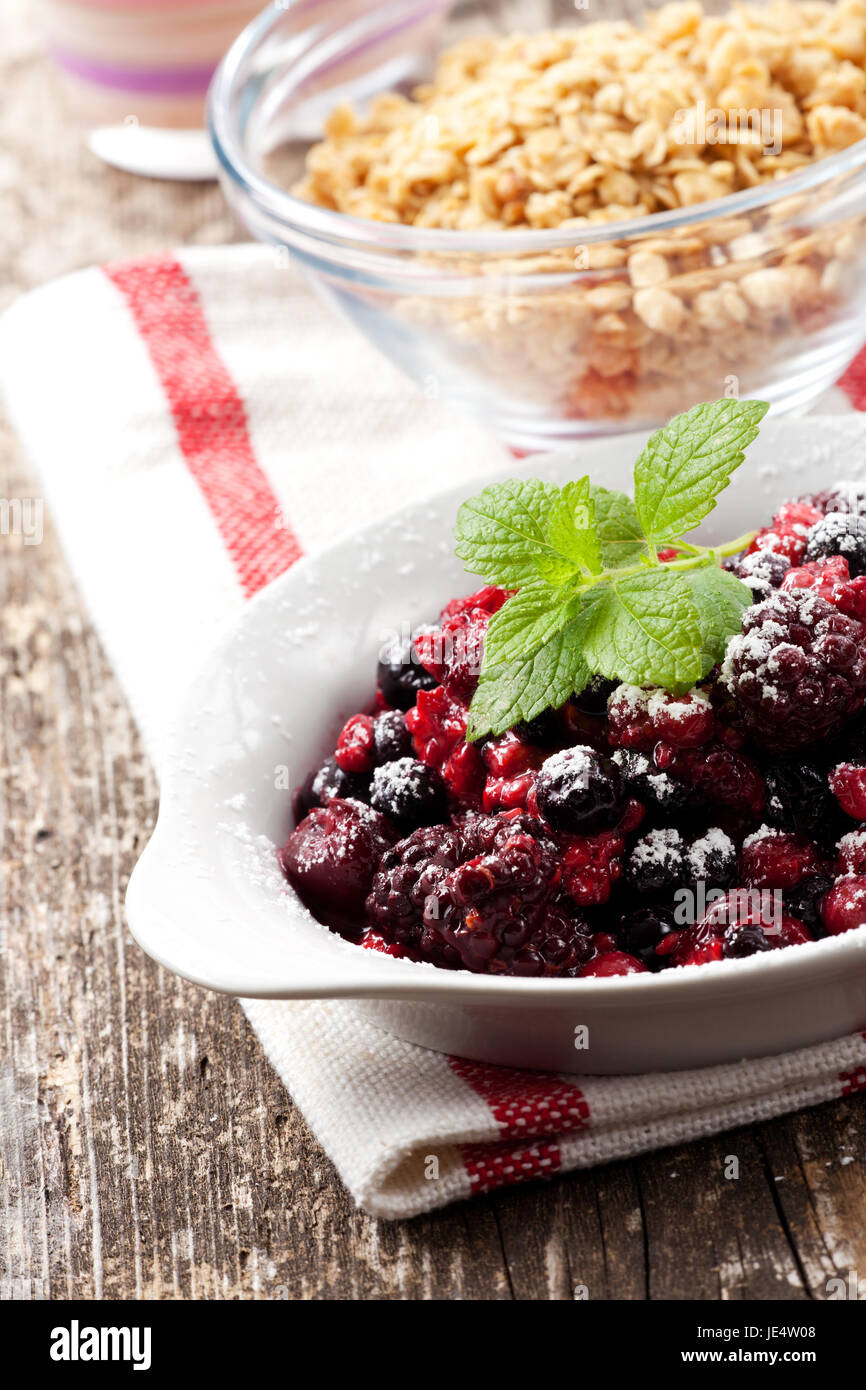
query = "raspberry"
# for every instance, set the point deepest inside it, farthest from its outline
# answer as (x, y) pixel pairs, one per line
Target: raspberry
(405, 876)
(463, 775)
(502, 913)
(355, 746)
(656, 861)
(798, 672)
(331, 858)
(798, 797)
(844, 907)
(774, 859)
(826, 577)
(437, 725)
(640, 718)
(657, 790)
(453, 652)
(852, 853)
(740, 924)
(580, 791)
(591, 865)
(762, 571)
(391, 737)
(613, 963)
(848, 785)
(489, 599)
(400, 675)
(409, 793)
(508, 793)
(640, 932)
(840, 533)
(326, 783)
(787, 532)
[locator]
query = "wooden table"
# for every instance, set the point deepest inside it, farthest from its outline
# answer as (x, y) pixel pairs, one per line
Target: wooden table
(148, 1150)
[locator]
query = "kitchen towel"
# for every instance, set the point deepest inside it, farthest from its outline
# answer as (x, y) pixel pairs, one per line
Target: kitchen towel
(199, 422)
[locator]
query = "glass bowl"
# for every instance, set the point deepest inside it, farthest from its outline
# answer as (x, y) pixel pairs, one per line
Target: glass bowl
(547, 335)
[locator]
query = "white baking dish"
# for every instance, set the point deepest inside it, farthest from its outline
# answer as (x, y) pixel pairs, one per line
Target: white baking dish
(207, 900)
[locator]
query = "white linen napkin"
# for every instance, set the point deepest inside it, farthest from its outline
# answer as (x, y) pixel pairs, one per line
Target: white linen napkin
(199, 421)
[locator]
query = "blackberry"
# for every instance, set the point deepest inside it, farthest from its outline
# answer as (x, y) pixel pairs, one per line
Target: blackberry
(326, 783)
(657, 790)
(839, 533)
(804, 901)
(331, 858)
(763, 571)
(640, 932)
(797, 672)
(391, 737)
(711, 859)
(409, 793)
(400, 675)
(503, 914)
(798, 797)
(405, 876)
(656, 861)
(580, 791)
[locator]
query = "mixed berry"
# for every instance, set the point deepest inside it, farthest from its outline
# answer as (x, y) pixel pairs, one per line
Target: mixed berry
(630, 829)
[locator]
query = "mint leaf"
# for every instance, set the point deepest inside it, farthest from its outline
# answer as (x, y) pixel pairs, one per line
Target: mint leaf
(644, 629)
(526, 622)
(618, 528)
(684, 466)
(572, 534)
(501, 532)
(522, 689)
(720, 599)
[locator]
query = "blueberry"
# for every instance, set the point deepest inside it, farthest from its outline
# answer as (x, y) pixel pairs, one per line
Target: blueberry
(409, 793)
(657, 790)
(594, 696)
(580, 790)
(712, 859)
(401, 676)
(762, 571)
(804, 901)
(325, 784)
(656, 861)
(391, 737)
(639, 933)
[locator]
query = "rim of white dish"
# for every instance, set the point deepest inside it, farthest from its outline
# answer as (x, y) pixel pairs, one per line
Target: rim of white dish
(371, 973)
(335, 227)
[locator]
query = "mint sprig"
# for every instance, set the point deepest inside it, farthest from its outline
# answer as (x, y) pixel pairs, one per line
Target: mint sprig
(592, 596)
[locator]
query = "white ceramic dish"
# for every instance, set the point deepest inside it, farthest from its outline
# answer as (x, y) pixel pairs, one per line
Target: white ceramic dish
(207, 900)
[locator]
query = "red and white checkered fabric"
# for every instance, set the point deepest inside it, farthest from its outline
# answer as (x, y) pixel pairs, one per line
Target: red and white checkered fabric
(199, 422)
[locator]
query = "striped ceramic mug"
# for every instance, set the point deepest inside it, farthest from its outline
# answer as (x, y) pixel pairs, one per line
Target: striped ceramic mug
(145, 62)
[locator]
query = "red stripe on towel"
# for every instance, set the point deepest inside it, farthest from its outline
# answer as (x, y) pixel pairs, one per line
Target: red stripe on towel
(853, 381)
(209, 416)
(526, 1106)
